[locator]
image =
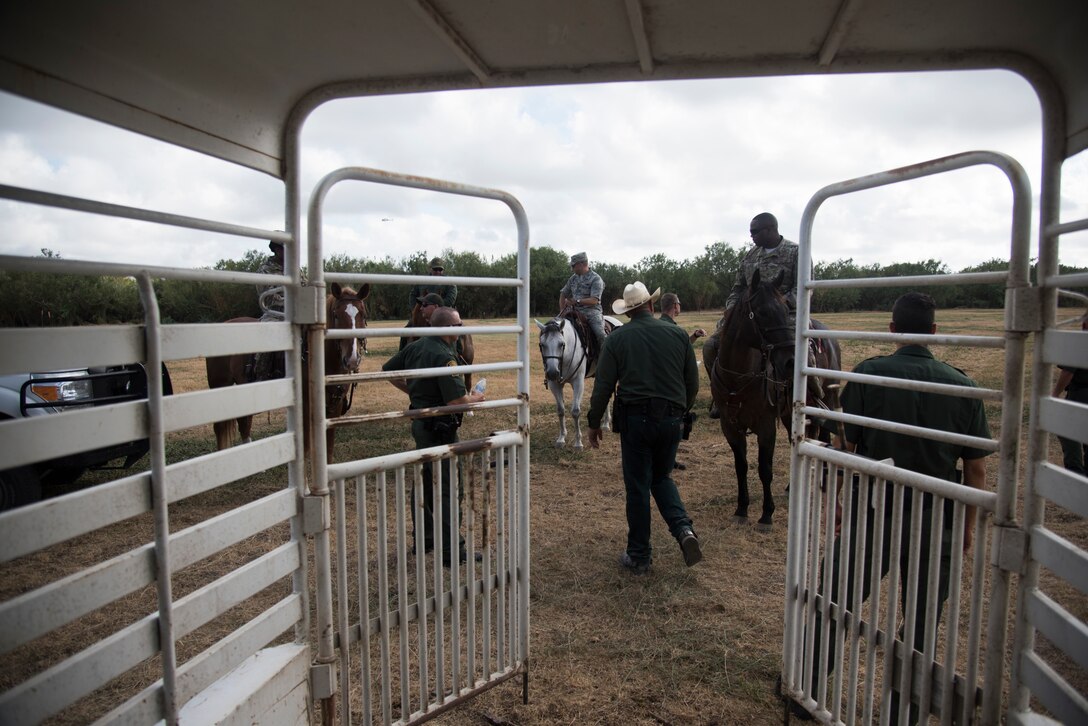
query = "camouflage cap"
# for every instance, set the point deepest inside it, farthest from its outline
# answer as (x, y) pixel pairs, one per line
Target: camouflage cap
(438, 262)
(430, 298)
(578, 257)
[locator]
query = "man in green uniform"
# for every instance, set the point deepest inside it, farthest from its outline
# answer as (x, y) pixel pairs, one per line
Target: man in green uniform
(650, 366)
(913, 313)
(434, 352)
(670, 308)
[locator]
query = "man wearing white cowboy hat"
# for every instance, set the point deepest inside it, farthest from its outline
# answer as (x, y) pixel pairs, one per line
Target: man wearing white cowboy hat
(650, 365)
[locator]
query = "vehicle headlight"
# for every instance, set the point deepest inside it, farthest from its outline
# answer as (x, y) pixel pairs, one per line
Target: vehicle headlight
(62, 391)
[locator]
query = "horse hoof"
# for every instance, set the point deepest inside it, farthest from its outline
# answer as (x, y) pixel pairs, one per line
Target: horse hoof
(559, 443)
(737, 519)
(763, 526)
(578, 447)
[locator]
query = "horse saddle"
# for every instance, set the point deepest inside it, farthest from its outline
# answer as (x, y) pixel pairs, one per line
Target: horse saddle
(585, 334)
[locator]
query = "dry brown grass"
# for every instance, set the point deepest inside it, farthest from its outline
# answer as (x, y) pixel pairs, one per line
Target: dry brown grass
(699, 645)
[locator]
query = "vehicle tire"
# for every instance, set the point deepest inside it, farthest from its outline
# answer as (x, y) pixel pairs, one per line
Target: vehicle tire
(19, 486)
(62, 476)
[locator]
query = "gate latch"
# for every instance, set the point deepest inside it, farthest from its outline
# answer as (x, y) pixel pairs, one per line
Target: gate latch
(1010, 549)
(315, 515)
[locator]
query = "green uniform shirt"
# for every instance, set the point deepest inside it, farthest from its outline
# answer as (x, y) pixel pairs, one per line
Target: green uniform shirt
(428, 353)
(931, 410)
(644, 358)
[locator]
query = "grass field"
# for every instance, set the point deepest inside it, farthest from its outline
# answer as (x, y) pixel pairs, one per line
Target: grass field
(679, 646)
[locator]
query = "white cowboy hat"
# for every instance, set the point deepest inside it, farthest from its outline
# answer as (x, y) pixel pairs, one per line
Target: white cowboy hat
(634, 295)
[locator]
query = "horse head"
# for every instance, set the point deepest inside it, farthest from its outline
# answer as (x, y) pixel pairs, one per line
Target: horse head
(553, 347)
(766, 308)
(346, 310)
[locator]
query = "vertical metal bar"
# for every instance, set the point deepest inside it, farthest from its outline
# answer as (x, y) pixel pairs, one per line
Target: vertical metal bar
(893, 601)
(364, 599)
(955, 575)
(339, 494)
(857, 598)
(814, 665)
(910, 607)
(500, 559)
(488, 583)
(455, 577)
(875, 600)
(826, 590)
(402, 599)
(851, 550)
(383, 595)
(929, 635)
(163, 575)
(421, 586)
(974, 633)
(439, 584)
(522, 460)
(470, 573)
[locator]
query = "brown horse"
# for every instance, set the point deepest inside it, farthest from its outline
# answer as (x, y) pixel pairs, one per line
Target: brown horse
(345, 309)
(751, 382)
(465, 348)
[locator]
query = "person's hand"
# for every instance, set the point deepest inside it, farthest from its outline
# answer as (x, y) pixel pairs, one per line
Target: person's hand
(698, 333)
(476, 397)
(595, 436)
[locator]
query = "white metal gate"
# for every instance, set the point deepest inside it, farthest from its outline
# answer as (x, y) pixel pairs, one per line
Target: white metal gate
(844, 663)
(413, 638)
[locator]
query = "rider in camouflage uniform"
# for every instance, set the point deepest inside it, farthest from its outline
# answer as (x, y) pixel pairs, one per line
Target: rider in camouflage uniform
(447, 292)
(270, 299)
(772, 254)
(583, 291)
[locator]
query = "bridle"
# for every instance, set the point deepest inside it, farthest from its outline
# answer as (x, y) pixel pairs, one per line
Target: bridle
(765, 346)
(555, 326)
(338, 399)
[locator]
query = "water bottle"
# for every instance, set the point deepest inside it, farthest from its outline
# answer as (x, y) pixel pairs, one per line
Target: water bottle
(480, 387)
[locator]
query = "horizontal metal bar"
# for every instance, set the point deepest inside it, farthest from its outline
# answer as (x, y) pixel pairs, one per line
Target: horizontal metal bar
(39, 611)
(946, 389)
(203, 670)
(422, 372)
(420, 332)
(186, 410)
(1061, 557)
(962, 278)
(211, 340)
(976, 341)
(34, 527)
(421, 412)
(1068, 279)
(1056, 696)
(1062, 487)
(970, 496)
(1068, 419)
(1065, 348)
(30, 350)
(1064, 630)
(405, 458)
(377, 278)
(55, 266)
(975, 442)
(79, 204)
(1055, 229)
(40, 438)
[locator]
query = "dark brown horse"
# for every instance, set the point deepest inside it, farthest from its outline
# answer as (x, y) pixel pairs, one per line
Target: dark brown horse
(751, 381)
(465, 348)
(345, 309)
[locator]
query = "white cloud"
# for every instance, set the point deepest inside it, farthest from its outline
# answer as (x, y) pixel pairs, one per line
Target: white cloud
(623, 171)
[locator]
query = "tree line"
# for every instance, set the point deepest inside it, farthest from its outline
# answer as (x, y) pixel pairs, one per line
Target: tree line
(702, 282)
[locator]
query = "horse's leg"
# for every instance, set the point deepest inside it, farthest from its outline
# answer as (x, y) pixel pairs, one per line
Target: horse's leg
(766, 440)
(577, 385)
(222, 434)
(557, 391)
(330, 439)
(739, 445)
(245, 428)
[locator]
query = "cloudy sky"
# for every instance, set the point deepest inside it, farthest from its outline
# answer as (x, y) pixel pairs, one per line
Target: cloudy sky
(621, 171)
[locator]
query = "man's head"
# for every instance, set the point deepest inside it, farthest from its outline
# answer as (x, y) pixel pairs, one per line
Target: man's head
(444, 318)
(670, 304)
(277, 250)
(438, 266)
(579, 263)
(914, 313)
(635, 297)
(428, 304)
(764, 230)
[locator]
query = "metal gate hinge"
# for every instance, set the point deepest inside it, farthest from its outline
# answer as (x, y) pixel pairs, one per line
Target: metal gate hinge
(1010, 549)
(315, 515)
(1024, 309)
(309, 305)
(322, 680)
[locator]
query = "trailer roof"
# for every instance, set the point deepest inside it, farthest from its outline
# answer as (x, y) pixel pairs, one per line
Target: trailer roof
(226, 78)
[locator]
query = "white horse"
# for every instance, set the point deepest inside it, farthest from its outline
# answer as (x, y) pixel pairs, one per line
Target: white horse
(565, 362)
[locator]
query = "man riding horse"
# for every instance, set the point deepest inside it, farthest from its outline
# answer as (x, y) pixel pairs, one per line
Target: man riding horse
(771, 255)
(269, 364)
(582, 294)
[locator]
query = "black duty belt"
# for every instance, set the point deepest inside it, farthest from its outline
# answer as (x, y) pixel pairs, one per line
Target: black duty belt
(654, 408)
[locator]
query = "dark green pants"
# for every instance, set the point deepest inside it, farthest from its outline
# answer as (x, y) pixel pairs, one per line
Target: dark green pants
(426, 435)
(648, 451)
